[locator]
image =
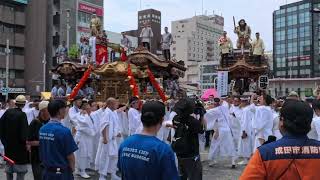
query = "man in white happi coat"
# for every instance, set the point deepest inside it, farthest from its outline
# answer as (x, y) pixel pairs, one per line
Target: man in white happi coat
(263, 121)
(108, 149)
(123, 121)
(315, 124)
(146, 35)
(84, 138)
(32, 110)
(166, 41)
(71, 121)
(134, 116)
(245, 141)
(222, 144)
(235, 116)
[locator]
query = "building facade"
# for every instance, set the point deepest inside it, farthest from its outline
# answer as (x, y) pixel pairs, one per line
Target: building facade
(295, 40)
(49, 23)
(196, 43)
(12, 28)
(153, 18)
(283, 86)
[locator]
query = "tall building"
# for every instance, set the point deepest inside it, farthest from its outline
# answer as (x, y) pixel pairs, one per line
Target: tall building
(196, 43)
(295, 40)
(48, 24)
(153, 18)
(12, 28)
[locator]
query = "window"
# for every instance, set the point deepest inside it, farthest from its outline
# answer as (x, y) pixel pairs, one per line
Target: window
(308, 92)
(291, 9)
(281, 62)
(292, 20)
(140, 17)
(280, 22)
(280, 49)
(305, 47)
(280, 35)
(12, 74)
(279, 12)
(292, 33)
(304, 31)
(304, 17)
(304, 6)
(293, 47)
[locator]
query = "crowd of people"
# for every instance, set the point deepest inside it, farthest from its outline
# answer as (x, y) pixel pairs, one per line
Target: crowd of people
(150, 139)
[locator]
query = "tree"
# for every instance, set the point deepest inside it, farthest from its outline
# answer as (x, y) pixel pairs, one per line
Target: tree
(73, 52)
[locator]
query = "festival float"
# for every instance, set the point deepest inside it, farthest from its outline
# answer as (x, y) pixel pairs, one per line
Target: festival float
(241, 67)
(141, 73)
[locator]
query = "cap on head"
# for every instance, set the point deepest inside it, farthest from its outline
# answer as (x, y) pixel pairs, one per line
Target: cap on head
(43, 105)
(293, 94)
(21, 99)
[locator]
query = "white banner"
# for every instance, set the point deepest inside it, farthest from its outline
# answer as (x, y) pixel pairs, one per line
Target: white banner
(222, 83)
(92, 44)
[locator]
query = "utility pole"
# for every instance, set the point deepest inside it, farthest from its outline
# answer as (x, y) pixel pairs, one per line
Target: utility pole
(68, 28)
(7, 52)
(44, 61)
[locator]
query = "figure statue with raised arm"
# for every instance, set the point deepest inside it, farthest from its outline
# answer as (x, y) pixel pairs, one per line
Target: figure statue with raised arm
(95, 25)
(244, 35)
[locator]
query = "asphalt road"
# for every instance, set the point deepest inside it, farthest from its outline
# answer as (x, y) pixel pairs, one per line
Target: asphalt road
(221, 171)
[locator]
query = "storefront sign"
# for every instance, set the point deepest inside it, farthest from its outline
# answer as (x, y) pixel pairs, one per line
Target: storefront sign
(91, 9)
(13, 90)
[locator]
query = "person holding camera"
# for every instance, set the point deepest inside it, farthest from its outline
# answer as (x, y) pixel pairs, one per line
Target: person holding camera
(186, 141)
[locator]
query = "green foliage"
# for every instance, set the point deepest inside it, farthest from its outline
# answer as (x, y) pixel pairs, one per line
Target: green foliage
(73, 52)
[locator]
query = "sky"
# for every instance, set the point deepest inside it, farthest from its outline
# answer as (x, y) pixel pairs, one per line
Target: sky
(121, 15)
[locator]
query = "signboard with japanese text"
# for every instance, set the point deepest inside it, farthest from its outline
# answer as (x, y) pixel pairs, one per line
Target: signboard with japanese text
(222, 83)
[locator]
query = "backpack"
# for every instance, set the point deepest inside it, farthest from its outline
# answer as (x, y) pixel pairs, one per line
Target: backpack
(181, 141)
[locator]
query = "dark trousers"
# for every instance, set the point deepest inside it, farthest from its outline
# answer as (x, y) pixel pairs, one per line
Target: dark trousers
(47, 175)
(166, 54)
(190, 168)
(37, 171)
(208, 134)
(146, 45)
(225, 60)
(257, 60)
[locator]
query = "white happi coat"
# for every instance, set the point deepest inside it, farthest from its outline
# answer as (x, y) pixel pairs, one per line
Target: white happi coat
(235, 123)
(262, 124)
(71, 121)
(84, 139)
(105, 151)
(134, 117)
(32, 113)
(96, 116)
(223, 146)
(124, 123)
(315, 129)
(246, 145)
(146, 34)
(164, 131)
(275, 130)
